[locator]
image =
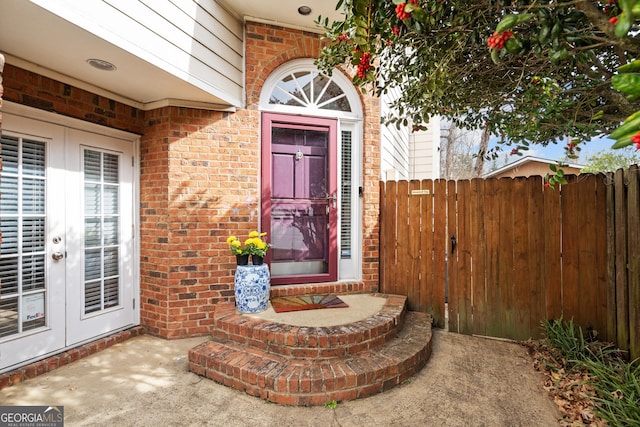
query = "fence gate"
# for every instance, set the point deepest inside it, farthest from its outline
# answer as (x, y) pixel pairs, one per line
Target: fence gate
(511, 252)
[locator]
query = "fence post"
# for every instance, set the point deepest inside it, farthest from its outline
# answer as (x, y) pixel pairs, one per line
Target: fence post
(633, 247)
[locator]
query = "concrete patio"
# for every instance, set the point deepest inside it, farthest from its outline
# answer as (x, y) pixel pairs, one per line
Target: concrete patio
(144, 381)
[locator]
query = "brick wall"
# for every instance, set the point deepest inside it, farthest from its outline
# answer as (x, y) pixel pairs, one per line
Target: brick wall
(199, 182)
(31, 89)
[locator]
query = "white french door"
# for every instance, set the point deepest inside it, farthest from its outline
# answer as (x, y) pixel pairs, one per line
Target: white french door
(99, 235)
(67, 257)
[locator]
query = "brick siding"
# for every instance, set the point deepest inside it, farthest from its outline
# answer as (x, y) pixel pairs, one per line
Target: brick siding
(200, 182)
(31, 89)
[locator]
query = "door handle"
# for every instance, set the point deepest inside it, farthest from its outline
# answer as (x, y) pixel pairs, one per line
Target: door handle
(57, 256)
(333, 199)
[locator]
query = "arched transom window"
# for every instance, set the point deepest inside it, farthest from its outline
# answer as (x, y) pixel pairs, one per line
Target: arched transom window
(309, 89)
(298, 87)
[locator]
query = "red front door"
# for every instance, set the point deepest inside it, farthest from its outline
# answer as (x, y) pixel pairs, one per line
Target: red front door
(299, 197)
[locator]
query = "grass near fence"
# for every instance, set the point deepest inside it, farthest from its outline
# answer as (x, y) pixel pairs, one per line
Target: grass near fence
(614, 380)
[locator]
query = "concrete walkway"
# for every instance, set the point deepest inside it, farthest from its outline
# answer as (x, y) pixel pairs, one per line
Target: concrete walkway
(144, 381)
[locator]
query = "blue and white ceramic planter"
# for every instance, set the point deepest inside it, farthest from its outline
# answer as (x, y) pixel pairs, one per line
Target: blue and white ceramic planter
(252, 284)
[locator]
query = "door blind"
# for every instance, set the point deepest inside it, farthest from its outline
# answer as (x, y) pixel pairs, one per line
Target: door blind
(345, 195)
(22, 224)
(101, 231)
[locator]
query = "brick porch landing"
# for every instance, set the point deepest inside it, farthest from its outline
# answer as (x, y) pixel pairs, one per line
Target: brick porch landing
(307, 365)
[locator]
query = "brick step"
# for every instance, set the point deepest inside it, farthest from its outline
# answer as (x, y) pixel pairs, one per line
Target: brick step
(292, 381)
(311, 342)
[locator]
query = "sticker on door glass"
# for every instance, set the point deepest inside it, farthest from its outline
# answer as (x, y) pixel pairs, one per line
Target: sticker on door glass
(32, 307)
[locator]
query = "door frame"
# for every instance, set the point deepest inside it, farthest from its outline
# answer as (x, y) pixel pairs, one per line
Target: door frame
(65, 123)
(268, 120)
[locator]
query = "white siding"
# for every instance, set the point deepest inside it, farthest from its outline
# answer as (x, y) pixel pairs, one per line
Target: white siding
(197, 41)
(424, 156)
(406, 154)
(394, 145)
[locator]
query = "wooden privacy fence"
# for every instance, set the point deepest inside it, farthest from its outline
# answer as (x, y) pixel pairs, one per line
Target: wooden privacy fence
(508, 253)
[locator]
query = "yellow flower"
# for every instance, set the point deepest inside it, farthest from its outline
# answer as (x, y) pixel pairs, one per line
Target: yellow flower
(263, 234)
(231, 239)
(248, 242)
(236, 243)
(260, 244)
(254, 234)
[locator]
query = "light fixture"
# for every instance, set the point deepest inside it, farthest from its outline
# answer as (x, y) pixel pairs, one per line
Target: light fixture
(101, 64)
(304, 10)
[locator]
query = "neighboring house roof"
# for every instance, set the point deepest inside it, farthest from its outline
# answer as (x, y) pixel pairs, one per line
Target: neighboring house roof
(530, 165)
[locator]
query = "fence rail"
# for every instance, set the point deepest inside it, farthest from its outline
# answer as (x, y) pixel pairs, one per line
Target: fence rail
(506, 254)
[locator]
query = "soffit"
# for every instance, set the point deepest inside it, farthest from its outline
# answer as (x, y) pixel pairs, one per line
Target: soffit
(31, 37)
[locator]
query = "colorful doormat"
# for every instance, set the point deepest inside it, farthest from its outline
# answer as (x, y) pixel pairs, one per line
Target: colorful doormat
(306, 302)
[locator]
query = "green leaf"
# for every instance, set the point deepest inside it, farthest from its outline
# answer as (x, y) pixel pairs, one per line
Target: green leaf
(543, 35)
(631, 67)
(628, 83)
(574, 16)
(507, 23)
(623, 142)
(556, 29)
(361, 31)
(559, 55)
(419, 14)
(524, 17)
(560, 180)
(360, 7)
(410, 7)
(513, 45)
(495, 56)
(624, 24)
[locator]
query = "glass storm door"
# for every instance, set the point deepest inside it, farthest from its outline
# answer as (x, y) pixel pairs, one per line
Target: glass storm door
(299, 201)
(66, 217)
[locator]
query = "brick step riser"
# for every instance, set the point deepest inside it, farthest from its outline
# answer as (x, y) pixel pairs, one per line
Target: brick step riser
(302, 382)
(312, 392)
(311, 342)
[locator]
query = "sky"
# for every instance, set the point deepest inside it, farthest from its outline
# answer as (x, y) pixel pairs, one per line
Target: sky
(557, 152)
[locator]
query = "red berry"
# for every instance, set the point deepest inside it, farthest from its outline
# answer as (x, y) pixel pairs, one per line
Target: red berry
(613, 20)
(400, 12)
